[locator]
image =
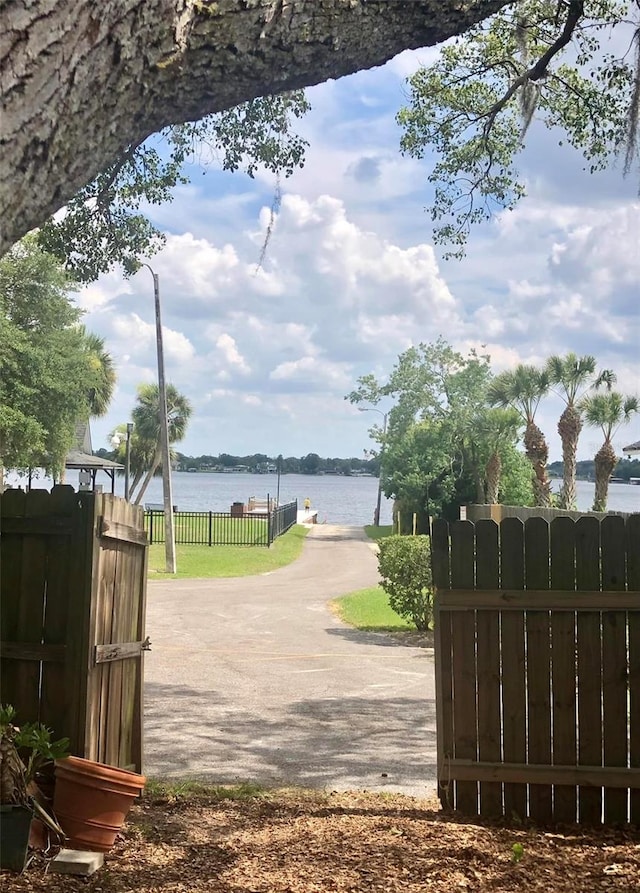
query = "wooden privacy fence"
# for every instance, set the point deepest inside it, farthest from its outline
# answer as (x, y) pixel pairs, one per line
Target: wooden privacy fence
(72, 613)
(538, 667)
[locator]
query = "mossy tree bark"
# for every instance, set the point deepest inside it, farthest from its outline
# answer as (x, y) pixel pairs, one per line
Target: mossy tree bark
(83, 82)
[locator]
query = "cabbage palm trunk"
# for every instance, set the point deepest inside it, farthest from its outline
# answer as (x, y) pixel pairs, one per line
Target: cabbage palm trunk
(572, 375)
(523, 389)
(607, 411)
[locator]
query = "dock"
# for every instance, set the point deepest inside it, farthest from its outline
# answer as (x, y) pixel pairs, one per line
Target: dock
(307, 516)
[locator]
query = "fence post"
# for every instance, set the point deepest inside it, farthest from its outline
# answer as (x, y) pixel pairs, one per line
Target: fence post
(150, 528)
(210, 526)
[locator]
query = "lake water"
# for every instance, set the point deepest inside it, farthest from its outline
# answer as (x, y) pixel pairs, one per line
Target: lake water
(338, 500)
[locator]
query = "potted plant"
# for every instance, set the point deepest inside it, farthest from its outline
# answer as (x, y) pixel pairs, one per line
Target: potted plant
(24, 751)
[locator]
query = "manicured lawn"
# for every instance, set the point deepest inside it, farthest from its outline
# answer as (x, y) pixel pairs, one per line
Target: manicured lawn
(230, 561)
(369, 609)
(377, 533)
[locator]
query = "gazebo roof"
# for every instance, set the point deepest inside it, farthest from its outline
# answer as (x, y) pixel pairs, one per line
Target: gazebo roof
(632, 448)
(81, 456)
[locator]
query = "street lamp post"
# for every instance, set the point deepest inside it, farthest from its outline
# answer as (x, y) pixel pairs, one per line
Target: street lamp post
(376, 514)
(169, 531)
(127, 461)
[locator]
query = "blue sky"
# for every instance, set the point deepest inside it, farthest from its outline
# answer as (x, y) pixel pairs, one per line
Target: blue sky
(351, 279)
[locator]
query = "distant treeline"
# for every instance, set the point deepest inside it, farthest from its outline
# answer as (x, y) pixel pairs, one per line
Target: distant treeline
(259, 463)
(585, 470)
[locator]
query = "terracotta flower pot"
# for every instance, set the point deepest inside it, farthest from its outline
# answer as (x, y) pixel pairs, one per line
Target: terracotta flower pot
(91, 801)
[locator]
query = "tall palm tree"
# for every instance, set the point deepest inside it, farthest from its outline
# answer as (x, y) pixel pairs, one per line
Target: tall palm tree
(523, 388)
(572, 375)
(607, 411)
(146, 452)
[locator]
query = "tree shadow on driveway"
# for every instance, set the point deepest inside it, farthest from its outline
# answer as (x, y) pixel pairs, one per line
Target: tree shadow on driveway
(375, 743)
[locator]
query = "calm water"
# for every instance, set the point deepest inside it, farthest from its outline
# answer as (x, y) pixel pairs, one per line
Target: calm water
(338, 500)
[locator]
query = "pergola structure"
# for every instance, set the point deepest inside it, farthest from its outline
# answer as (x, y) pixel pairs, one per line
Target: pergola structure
(81, 459)
(633, 449)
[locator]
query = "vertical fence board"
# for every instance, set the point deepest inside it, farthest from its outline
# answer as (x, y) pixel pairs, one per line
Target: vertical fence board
(614, 664)
(11, 546)
(536, 536)
(488, 638)
(589, 667)
(112, 509)
(32, 594)
(142, 556)
(563, 666)
(54, 698)
(513, 665)
(104, 633)
(440, 569)
(464, 663)
(633, 584)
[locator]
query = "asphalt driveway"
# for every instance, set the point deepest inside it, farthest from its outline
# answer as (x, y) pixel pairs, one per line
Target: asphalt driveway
(253, 678)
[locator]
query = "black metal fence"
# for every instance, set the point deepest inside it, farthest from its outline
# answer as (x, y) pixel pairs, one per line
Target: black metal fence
(223, 528)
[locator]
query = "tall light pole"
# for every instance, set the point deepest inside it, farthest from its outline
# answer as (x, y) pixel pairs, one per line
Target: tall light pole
(376, 514)
(169, 532)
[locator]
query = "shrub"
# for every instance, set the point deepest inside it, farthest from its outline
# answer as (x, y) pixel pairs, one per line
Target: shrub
(404, 563)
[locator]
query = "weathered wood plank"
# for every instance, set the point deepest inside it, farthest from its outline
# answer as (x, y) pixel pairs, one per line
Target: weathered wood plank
(488, 663)
(440, 559)
(137, 737)
(563, 666)
(118, 530)
(31, 596)
(513, 600)
(632, 542)
(122, 651)
(443, 657)
(514, 733)
(589, 667)
(55, 707)
(32, 651)
(12, 504)
(594, 776)
(37, 526)
(113, 512)
(464, 663)
(614, 664)
(536, 537)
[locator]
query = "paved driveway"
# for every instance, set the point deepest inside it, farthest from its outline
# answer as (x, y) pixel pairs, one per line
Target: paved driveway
(253, 678)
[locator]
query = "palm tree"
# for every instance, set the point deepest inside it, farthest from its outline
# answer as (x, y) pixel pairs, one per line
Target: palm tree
(499, 426)
(146, 453)
(523, 389)
(102, 371)
(572, 375)
(607, 411)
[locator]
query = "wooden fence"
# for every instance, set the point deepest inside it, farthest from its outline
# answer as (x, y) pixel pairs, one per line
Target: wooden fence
(72, 613)
(538, 668)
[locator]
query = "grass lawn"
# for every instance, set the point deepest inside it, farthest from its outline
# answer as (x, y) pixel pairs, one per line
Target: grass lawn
(230, 561)
(377, 533)
(369, 609)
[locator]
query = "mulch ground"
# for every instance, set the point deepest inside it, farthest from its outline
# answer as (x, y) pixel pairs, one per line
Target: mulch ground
(308, 842)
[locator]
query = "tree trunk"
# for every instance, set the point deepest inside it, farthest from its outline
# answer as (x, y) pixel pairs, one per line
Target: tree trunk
(569, 428)
(537, 453)
(605, 461)
(81, 82)
(494, 472)
(150, 473)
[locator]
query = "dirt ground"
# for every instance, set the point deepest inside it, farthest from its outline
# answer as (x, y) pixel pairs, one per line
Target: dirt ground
(307, 842)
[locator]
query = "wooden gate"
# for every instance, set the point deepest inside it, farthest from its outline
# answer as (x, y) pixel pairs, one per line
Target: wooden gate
(72, 614)
(538, 667)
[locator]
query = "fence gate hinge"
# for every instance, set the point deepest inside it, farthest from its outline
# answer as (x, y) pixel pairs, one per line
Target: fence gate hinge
(146, 645)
